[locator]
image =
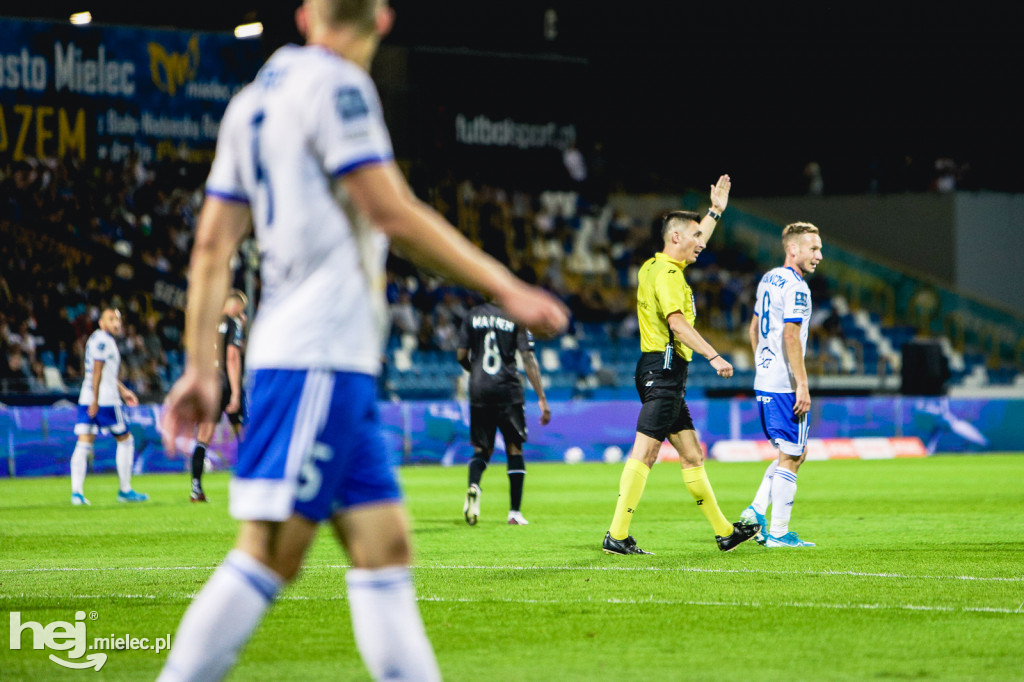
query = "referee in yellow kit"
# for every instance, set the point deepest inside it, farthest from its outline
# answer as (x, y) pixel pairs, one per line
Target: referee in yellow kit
(664, 305)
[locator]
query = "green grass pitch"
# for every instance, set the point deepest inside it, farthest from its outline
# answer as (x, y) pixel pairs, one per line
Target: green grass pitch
(918, 574)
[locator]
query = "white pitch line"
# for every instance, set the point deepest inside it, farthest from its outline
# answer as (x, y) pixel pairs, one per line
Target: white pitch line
(474, 567)
(88, 569)
(738, 604)
(563, 602)
(755, 571)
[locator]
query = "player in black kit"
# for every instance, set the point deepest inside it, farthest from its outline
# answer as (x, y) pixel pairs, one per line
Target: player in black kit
(232, 397)
(488, 342)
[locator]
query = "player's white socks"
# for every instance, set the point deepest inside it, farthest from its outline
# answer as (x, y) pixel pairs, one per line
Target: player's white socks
(388, 628)
(125, 456)
(763, 497)
(79, 464)
(783, 494)
(221, 619)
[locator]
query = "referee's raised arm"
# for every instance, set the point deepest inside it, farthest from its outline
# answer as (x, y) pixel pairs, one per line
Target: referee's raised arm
(719, 200)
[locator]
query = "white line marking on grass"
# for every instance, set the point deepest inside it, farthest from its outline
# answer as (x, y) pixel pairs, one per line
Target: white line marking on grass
(60, 569)
(476, 567)
(695, 569)
(83, 596)
(563, 602)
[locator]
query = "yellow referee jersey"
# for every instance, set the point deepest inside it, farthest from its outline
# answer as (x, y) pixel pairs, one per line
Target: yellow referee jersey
(662, 290)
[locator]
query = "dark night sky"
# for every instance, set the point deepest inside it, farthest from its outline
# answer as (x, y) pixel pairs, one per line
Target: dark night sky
(765, 85)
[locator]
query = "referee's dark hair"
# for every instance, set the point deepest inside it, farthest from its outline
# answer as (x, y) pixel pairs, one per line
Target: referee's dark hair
(667, 219)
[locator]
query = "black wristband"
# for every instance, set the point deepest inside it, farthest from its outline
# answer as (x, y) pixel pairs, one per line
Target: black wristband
(717, 356)
(714, 216)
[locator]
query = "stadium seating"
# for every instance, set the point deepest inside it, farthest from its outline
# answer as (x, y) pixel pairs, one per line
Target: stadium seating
(569, 254)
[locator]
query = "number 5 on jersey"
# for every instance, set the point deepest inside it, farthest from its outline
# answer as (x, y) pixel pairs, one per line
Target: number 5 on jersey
(310, 478)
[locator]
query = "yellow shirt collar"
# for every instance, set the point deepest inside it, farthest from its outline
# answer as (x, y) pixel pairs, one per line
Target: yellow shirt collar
(661, 255)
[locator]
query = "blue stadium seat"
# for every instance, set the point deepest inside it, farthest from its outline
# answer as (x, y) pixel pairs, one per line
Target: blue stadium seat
(1002, 376)
(595, 330)
(850, 328)
(871, 356)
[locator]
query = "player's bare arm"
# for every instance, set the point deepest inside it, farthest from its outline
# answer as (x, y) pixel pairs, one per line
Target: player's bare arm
(234, 368)
(719, 200)
(533, 374)
(127, 395)
(462, 357)
(97, 376)
(690, 337)
(195, 397)
(754, 331)
(795, 356)
(382, 195)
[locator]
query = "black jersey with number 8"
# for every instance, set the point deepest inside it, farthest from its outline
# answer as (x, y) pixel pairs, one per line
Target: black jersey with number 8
(492, 340)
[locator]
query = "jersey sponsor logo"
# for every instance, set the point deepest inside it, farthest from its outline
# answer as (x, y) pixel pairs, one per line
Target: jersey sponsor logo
(270, 77)
(766, 358)
(801, 299)
(350, 104)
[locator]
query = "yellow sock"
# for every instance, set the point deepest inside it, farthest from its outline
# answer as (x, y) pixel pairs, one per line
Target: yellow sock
(631, 489)
(700, 487)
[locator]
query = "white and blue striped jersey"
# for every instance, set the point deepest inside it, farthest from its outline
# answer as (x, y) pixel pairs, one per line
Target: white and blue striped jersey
(101, 346)
(308, 118)
(782, 296)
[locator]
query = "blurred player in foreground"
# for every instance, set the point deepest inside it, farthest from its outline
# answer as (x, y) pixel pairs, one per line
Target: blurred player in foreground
(304, 154)
(488, 341)
(101, 406)
(778, 335)
(666, 312)
(232, 397)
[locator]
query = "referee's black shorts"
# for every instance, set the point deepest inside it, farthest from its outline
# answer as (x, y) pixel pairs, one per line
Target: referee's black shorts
(485, 420)
(662, 391)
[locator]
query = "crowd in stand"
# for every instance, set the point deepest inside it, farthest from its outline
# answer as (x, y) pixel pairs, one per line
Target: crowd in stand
(587, 254)
(74, 237)
(58, 216)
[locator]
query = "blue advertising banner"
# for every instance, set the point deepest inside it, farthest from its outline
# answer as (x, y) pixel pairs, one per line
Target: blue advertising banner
(99, 92)
(38, 441)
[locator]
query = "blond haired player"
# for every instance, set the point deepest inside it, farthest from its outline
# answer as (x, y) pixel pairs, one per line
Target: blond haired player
(778, 335)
